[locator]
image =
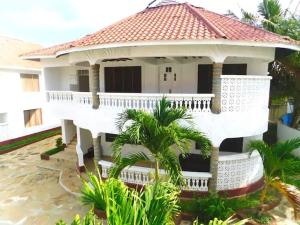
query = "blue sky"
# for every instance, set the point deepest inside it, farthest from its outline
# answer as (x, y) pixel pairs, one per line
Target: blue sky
(51, 22)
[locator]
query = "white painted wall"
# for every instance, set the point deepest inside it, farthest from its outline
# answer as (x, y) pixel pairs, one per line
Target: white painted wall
(14, 101)
(68, 131)
(285, 133)
(65, 78)
(86, 140)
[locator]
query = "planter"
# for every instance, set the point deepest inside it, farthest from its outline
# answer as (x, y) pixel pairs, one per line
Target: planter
(45, 156)
(100, 213)
(285, 132)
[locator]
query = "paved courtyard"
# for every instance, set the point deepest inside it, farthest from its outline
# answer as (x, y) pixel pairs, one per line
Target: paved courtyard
(29, 189)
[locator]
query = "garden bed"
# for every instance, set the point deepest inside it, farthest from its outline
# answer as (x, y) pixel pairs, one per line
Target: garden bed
(46, 155)
(59, 147)
(13, 144)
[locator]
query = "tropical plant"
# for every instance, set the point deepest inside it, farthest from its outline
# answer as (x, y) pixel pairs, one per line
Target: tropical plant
(155, 204)
(273, 18)
(163, 133)
(93, 191)
(280, 167)
(89, 219)
(216, 221)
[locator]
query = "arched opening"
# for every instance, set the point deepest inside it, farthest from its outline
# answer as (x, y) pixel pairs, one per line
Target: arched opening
(232, 145)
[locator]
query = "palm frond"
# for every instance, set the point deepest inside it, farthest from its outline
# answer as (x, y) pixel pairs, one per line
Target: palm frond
(165, 114)
(283, 149)
(291, 193)
(129, 160)
(170, 162)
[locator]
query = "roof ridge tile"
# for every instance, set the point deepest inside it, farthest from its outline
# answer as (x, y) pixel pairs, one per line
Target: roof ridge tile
(197, 14)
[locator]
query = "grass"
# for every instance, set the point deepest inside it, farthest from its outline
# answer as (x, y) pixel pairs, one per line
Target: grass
(29, 140)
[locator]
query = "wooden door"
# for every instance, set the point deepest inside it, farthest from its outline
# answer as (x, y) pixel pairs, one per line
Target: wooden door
(205, 77)
(123, 79)
(84, 85)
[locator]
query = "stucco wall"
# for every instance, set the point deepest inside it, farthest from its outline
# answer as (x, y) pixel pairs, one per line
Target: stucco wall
(14, 101)
(285, 133)
(65, 78)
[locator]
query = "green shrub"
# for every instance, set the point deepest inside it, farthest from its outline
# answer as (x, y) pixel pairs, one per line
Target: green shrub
(156, 204)
(53, 151)
(214, 206)
(59, 143)
(89, 219)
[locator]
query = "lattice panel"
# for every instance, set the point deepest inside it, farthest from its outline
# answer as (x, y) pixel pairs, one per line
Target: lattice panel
(239, 173)
(244, 93)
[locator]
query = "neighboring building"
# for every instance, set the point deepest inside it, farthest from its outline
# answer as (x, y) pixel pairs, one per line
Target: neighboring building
(22, 96)
(214, 65)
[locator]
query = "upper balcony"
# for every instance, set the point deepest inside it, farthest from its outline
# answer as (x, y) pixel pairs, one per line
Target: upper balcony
(244, 107)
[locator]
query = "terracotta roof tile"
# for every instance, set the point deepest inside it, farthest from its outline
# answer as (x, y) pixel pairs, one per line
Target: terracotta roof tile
(171, 22)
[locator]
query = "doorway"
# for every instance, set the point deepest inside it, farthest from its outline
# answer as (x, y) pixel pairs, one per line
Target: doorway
(168, 79)
(83, 80)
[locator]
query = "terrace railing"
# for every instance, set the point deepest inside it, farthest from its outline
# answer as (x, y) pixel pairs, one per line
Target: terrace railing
(193, 102)
(194, 181)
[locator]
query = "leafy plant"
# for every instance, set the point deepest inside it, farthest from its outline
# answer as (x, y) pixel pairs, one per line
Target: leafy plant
(59, 143)
(260, 218)
(89, 219)
(155, 204)
(216, 221)
(280, 167)
(162, 133)
(93, 191)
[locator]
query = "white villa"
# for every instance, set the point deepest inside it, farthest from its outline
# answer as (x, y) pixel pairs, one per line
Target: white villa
(22, 97)
(215, 66)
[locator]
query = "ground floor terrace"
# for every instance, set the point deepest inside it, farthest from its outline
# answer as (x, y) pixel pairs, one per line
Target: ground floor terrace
(31, 194)
(239, 172)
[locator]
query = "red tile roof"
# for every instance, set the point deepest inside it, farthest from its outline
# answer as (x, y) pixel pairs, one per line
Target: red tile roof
(171, 22)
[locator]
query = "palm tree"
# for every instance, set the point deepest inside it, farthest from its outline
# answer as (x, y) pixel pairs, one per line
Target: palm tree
(163, 133)
(281, 169)
(269, 14)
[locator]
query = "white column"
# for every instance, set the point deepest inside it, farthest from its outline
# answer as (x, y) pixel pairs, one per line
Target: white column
(64, 132)
(79, 149)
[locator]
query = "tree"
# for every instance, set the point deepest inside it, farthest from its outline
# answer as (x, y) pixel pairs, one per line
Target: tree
(273, 18)
(163, 133)
(281, 169)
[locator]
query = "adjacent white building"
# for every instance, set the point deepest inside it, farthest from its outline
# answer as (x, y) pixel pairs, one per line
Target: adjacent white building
(214, 65)
(22, 96)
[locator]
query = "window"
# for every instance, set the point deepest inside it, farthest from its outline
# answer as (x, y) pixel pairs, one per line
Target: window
(33, 117)
(127, 79)
(30, 82)
(3, 118)
(110, 137)
(83, 80)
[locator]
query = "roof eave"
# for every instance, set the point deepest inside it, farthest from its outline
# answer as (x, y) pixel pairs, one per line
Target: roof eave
(294, 47)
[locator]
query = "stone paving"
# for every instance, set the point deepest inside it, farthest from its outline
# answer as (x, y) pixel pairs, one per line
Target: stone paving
(29, 189)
